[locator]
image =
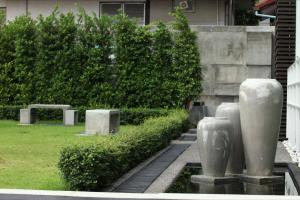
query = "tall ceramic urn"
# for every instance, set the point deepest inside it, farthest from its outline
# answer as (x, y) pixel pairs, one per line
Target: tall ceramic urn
(260, 109)
(214, 140)
(236, 160)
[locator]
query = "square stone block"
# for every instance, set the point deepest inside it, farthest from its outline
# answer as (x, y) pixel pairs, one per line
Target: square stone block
(25, 116)
(102, 122)
(70, 117)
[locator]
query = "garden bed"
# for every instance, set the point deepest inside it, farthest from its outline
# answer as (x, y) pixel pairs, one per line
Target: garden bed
(29, 155)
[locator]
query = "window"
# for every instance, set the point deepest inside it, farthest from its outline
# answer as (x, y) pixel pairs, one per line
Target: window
(3, 13)
(133, 10)
(110, 8)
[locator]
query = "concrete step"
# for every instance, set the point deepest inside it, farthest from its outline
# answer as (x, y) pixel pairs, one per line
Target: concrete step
(188, 137)
(192, 131)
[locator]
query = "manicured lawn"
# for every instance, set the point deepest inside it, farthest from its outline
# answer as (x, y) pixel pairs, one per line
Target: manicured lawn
(29, 154)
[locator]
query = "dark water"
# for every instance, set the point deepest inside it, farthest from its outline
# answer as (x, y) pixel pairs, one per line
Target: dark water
(183, 184)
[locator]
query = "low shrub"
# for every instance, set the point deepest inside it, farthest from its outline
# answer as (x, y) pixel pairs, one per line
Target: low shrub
(94, 166)
(10, 112)
(133, 116)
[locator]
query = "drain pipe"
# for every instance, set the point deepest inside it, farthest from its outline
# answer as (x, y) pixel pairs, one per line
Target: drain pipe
(263, 15)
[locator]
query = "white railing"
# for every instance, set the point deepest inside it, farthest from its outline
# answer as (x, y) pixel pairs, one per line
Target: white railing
(293, 108)
(293, 98)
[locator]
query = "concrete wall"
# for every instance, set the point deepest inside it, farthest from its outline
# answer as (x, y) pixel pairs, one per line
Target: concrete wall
(230, 55)
(2, 3)
(207, 12)
(15, 8)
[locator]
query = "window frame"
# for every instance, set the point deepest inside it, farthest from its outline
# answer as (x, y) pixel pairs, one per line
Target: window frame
(5, 10)
(123, 8)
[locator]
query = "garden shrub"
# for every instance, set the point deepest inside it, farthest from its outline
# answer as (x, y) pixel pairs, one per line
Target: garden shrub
(95, 38)
(17, 61)
(46, 64)
(94, 166)
(10, 112)
(161, 63)
(133, 55)
(186, 69)
(67, 59)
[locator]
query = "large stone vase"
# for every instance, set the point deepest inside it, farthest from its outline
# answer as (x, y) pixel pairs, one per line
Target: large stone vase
(260, 110)
(214, 137)
(236, 160)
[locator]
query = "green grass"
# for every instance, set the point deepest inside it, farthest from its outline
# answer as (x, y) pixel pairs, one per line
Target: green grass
(29, 154)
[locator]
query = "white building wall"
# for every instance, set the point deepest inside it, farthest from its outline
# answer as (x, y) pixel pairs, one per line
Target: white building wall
(15, 8)
(38, 7)
(2, 3)
(45, 7)
(207, 12)
(90, 6)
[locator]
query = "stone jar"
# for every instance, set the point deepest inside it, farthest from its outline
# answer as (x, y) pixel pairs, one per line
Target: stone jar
(214, 137)
(260, 109)
(236, 160)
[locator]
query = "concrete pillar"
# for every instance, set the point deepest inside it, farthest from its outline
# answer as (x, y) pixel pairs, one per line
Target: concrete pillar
(70, 117)
(25, 116)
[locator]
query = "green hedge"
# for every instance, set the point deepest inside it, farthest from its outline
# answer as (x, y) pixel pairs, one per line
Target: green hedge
(67, 59)
(92, 167)
(133, 116)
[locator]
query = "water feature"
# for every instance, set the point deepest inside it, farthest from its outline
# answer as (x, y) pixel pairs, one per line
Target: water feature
(183, 184)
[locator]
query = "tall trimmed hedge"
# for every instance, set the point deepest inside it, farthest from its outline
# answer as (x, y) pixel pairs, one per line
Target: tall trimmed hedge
(17, 61)
(92, 167)
(186, 70)
(95, 46)
(86, 60)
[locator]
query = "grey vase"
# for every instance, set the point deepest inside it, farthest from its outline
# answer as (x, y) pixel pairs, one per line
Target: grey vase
(214, 137)
(260, 109)
(236, 160)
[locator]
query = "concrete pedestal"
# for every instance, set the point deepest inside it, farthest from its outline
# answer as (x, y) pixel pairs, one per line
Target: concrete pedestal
(102, 121)
(25, 116)
(70, 117)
